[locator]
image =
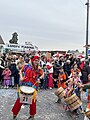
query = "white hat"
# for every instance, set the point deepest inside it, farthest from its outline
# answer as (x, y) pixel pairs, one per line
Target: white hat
(82, 59)
(55, 58)
(68, 61)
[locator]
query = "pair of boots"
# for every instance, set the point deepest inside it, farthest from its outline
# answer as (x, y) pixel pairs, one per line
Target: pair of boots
(58, 101)
(29, 118)
(14, 117)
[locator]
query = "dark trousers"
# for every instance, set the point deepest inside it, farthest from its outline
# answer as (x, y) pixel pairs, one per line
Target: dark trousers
(45, 80)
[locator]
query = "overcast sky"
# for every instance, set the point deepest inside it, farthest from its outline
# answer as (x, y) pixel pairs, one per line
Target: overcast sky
(48, 24)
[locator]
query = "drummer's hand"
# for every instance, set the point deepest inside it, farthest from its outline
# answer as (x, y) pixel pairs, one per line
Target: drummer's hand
(38, 81)
(20, 72)
(81, 86)
(21, 79)
(61, 79)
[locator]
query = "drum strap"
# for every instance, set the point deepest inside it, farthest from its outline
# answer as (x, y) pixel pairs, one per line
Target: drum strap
(34, 95)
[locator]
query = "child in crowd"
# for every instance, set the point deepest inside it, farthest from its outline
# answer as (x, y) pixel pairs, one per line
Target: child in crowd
(6, 76)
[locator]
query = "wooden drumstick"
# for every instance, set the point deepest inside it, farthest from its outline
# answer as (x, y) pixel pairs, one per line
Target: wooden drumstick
(35, 83)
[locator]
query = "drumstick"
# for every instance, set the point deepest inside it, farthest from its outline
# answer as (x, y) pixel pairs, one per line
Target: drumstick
(35, 83)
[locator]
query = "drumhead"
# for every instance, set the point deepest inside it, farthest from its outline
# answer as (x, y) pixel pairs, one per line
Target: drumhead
(27, 89)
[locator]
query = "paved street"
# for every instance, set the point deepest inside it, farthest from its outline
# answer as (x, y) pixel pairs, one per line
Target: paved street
(47, 109)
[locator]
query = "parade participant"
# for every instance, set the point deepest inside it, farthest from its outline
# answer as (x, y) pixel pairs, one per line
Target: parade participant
(87, 86)
(77, 82)
(75, 68)
(32, 75)
(73, 87)
(61, 80)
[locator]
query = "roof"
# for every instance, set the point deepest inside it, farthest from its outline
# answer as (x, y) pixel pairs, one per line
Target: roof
(1, 40)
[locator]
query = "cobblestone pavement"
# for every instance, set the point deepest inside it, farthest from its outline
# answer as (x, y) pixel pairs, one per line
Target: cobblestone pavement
(47, 109)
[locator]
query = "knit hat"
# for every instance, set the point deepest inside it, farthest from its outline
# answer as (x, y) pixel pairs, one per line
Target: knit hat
(34, 58)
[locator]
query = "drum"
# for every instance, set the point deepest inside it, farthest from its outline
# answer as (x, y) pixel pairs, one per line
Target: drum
(26, 94)
(60, 92)
(87, 113)
(73, 102)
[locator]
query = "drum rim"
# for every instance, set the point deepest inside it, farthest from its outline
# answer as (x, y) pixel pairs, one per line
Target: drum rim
(27, 92)
(87, 112)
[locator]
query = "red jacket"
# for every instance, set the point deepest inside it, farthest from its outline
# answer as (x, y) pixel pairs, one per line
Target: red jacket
(31, 75)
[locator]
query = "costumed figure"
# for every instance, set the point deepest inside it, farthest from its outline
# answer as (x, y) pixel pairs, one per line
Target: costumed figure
(30, 75)
(73, 87)
(61, 80)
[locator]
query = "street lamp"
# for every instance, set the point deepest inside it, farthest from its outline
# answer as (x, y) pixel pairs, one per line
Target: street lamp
(87, 22)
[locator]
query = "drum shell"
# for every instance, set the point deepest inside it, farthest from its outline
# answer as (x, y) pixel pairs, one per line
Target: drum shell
(60, 92)
(73, 102)
(87, 114)
(28, 94)
(25, 97)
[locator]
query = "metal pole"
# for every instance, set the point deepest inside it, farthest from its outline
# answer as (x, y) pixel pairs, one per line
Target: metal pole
(87, 28)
